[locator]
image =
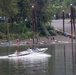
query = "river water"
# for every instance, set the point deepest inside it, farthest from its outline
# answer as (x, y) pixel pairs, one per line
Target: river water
(57, 60)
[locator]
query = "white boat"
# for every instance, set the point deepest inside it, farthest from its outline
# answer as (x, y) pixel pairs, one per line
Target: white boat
(29, 51)
(40, 50)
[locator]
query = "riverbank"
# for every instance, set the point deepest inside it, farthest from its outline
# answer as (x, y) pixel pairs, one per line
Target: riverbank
(41, 41)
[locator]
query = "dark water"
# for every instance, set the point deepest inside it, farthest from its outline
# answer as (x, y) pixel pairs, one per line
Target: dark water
(58, 60)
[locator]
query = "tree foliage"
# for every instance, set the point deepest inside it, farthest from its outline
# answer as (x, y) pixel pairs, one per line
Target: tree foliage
(8, 7)
(18, 14)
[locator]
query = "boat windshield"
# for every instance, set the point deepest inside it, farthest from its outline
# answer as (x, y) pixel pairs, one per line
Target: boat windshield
(30, 50)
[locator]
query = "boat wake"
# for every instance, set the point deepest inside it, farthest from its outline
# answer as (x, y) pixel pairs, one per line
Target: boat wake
(30, 56)
(3, 57)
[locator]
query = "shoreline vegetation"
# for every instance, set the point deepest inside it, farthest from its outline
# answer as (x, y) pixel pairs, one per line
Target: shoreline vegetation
(14, 33)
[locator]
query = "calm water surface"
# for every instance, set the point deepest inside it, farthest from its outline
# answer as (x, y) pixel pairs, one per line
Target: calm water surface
(57, 60)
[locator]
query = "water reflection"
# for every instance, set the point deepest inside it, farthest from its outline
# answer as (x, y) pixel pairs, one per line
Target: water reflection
(74, 59)
(62, 62)
(36, 64)
(64, 59)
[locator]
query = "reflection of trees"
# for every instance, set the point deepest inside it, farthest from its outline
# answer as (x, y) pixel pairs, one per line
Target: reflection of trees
(63, 59)
(4, 67)
(74, 60)
(29, 66)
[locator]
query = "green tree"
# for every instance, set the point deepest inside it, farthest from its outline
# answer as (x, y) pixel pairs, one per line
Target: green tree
(24, 13)
(68, 2)
(42, 14)
(8, 8)
(58, 8)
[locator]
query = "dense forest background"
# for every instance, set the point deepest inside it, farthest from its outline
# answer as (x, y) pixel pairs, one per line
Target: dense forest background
(16, 17)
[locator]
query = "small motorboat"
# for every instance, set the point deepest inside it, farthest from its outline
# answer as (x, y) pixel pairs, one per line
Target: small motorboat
(27, 52)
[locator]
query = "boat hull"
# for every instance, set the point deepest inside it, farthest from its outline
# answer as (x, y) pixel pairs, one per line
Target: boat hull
(38, 50)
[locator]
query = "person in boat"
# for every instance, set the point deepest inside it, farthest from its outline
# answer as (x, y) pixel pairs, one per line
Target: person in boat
(35, 49)
(29, 49)
(16, 52)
